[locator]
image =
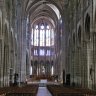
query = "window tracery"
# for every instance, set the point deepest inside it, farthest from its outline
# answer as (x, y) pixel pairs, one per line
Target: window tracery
(42, 36)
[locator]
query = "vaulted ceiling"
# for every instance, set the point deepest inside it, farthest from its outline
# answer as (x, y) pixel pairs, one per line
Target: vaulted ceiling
(49, 10)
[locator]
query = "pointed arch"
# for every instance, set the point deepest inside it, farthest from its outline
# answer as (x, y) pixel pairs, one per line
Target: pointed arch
(79, 34)
(95, 15)
(28, 6)
(73, 38)
(95, 19)
(0, 22)
(87, 26)
(0, 27)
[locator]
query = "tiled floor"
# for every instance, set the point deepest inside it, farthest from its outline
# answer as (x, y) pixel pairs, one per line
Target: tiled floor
(43, 91)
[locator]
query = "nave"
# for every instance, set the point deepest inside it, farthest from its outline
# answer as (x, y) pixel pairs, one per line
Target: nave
(43, 91)
(48, 90)
(51, 40)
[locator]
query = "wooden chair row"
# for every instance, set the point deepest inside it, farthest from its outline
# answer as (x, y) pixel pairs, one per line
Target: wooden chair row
(58, 90)
(28, 90)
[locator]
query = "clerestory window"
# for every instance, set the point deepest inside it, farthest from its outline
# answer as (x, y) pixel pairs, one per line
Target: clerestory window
(42, 35)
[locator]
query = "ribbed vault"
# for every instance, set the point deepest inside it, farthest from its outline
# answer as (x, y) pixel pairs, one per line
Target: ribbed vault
(39, 9)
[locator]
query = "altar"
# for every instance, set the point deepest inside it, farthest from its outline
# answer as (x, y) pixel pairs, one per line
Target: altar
(43, 83)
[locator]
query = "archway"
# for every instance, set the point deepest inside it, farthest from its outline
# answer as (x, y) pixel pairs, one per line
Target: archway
(45, 18)
(42, 68)
(31, 69)
(87, 27)
(52, 68)
(47, 68)
(79, 34)
(42, 38)
(95, 20)
(35, 68)
(88, 54)
(0, 28)
(73, 39)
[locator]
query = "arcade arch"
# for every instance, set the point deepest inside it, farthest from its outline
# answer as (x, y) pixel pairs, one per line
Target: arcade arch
(79, 34)
(87, 27)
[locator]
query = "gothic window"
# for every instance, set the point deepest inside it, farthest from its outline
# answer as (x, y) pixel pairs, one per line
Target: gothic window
(87, 26)
(36, 33)
(79, 34)
(95, 16)
(52, 37)
(42, 52)
(42, 35)
(74, 38)
(0, 28)
(31, 69)
(32, 39)
(48, 37)
(48, 53)
(52, 70)
(35, 52)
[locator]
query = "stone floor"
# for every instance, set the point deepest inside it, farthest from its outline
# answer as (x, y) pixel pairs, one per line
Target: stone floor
(43, 91)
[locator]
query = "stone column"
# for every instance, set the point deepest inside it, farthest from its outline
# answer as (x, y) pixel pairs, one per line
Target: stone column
(1, 63)
(23, 62)
(19, 40)
(94, 61)
(84, 65)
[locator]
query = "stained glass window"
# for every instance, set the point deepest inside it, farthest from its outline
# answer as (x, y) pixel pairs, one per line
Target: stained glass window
(42, 52)
(42, 36)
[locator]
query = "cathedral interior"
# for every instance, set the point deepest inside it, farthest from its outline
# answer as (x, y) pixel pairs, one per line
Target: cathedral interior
(49, 43)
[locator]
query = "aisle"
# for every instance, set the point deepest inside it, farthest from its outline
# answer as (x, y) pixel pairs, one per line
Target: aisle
(43, 91)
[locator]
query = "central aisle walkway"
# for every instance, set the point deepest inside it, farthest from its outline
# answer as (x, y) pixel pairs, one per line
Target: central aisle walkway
(43, 91)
